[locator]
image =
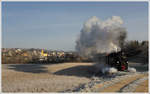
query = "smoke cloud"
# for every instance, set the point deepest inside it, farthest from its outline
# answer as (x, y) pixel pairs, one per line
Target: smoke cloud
(99, 36)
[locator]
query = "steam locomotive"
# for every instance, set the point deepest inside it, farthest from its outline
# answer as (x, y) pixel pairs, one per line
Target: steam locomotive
(117, 60)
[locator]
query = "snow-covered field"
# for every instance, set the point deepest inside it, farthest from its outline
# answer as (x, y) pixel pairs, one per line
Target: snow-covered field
(69, 77)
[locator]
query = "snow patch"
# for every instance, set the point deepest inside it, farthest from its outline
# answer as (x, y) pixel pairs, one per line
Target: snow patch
(131, 69)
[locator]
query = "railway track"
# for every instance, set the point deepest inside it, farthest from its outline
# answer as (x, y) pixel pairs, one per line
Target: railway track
(121, 85)
(132, 82)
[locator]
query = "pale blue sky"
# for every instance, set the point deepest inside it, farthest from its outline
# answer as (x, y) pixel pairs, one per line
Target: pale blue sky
(56, 25)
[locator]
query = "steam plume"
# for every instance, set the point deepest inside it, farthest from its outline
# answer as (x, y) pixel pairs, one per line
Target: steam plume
(99, 36)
